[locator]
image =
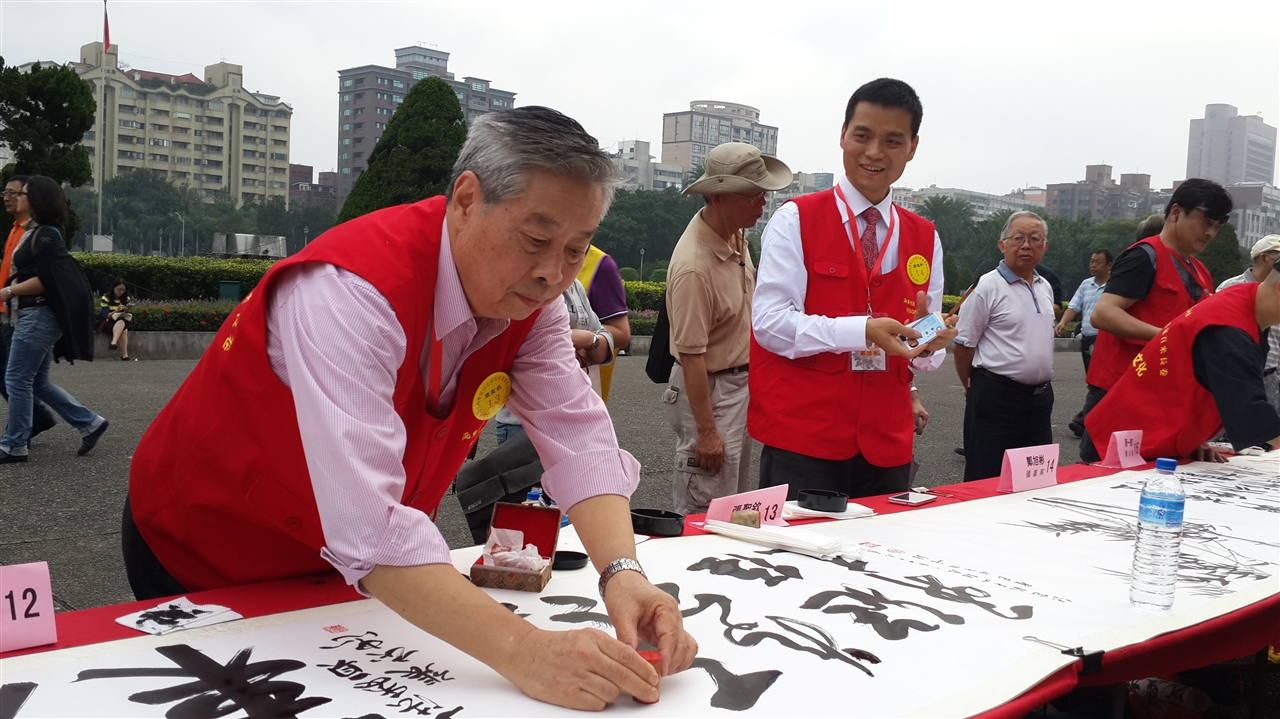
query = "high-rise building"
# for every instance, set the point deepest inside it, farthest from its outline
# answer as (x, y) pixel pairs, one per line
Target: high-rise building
(210, 134)
(370, 94)
(1099, 197)
(688, 136)
(1256, 211)
(303, 189)
(634, 161)
(1228, 148)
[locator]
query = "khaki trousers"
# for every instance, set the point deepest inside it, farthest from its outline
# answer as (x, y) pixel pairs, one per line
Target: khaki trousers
(693, 487)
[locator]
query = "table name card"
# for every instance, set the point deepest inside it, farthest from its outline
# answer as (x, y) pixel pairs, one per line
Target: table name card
(768, 502)
(26, 607)
(1029, 468)
(1124, 450)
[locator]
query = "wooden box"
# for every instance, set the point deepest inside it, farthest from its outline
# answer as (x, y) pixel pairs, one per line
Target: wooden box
(541, 527)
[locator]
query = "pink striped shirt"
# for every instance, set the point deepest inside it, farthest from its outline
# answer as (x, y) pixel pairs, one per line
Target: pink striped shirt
(336, 343)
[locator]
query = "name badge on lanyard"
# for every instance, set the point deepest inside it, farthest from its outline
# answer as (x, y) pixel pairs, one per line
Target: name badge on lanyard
(872, 359)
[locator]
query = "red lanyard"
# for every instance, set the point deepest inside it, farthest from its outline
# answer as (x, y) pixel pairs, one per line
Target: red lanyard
(435, 359)
(862, 266)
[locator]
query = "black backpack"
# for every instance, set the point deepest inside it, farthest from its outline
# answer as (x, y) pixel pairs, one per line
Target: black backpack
(660, 362)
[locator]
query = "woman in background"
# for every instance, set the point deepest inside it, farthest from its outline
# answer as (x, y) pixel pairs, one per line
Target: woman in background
(113, 310)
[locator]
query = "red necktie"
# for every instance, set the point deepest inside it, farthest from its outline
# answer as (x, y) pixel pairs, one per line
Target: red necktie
(869, 249)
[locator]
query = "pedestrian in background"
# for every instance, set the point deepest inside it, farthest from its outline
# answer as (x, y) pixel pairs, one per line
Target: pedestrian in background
(116, 319)
(41, 418)
(53, 303)
(1004, 352)
(1082, 304)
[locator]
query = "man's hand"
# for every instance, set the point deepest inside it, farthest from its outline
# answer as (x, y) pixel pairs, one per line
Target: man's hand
(580, 669)
(709, 449)
(939, 342)
(1058, 328)
(921, 414)
(883, 332)
(1205, 453)
(642, 612)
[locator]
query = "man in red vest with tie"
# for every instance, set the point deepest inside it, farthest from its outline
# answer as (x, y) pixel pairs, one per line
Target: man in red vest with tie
(1202, 372)
(840, 272)
(1152, 282)
(337, 402)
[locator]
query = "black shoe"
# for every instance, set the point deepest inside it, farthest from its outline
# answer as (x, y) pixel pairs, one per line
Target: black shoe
(1076, 428)
(125, 359)
(112, 347)
(87, 444)
(959, 451)
(6, 458)
(39, 427)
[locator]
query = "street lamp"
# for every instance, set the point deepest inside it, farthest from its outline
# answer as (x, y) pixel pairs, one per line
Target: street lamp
(184, 233)
(305, 231)
(641, 263)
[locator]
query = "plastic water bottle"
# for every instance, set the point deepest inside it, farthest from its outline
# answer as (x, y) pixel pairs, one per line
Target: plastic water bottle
(534, 496)
(1155, 555)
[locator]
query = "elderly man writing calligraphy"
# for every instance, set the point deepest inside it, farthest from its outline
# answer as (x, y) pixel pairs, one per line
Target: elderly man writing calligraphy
(307, 439)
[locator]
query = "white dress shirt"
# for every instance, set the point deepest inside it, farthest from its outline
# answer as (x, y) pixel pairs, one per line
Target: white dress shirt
(778, 318)
(335, 341)
(1009, 323)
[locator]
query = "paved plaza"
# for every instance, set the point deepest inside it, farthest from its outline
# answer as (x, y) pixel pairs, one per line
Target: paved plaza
(65, 509)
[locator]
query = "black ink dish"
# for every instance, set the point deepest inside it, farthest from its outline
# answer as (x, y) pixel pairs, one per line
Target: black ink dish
(657, 522)
(823, 500)
(568, 560)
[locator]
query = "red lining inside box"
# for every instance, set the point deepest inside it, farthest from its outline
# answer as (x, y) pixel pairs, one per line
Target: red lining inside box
(541, 525)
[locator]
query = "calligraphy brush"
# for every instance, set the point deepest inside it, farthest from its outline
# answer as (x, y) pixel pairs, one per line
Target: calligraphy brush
(963, 297)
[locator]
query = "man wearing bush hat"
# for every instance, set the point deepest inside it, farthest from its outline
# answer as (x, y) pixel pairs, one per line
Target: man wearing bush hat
(709, 285)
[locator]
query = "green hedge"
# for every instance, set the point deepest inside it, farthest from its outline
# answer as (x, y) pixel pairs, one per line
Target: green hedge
(644, 295)
(172, 278)
(642, 327)
(187, 316)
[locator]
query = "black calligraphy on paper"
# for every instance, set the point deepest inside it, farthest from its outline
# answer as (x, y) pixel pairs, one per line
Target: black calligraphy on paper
(514, 609)
(171, 616)
(418, 705)
(427, 675)
(365, 641)
(1236, 486)
(771, 574)
(735, 692)
(582, 611)
(217, 689)
(1207, 564)
(870, 609)
(363, 679)
(13, 696)
(972, 596)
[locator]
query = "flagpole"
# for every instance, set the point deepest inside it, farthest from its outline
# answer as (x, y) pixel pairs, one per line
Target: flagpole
(102, 114)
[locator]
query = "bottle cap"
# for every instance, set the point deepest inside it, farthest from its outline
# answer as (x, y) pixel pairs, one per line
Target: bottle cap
(1164, 464)
(533, 495)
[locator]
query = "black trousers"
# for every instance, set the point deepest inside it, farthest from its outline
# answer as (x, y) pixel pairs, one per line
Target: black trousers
(1086, 354)
(41, 417)
(147, 576)
(1002, 414)
(855, 476)
(1089, 453)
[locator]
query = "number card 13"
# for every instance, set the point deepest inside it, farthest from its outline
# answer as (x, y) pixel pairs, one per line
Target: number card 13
(26, 607)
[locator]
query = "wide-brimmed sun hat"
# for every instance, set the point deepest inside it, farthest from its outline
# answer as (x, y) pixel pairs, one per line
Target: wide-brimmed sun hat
(738, 167)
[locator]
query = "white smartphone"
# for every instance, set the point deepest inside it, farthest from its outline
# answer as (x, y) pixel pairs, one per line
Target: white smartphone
(912, 499)
(928, 326)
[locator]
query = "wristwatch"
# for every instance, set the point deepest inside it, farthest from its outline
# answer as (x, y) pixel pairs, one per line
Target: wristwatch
(618, 565)
(595, 343)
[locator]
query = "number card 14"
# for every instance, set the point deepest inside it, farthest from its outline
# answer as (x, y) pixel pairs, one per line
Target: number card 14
(26, 607)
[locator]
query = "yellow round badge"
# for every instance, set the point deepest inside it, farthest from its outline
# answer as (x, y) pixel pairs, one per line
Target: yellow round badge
(918, 269)
(491, 395)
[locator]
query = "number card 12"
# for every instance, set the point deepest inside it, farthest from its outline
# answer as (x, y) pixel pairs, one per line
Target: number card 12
(26, 607)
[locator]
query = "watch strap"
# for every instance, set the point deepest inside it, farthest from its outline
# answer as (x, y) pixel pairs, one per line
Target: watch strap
(618, 565)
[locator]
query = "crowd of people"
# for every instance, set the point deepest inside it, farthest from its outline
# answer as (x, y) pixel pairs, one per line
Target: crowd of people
(307, 439)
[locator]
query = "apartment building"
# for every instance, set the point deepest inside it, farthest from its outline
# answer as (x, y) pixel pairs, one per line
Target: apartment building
(688, 135)
(1228, 148)
(303, 188)
(633, 160)
(370, 94)
(211, 134)
(982, 205)
(1100, 197)
(1256, 211)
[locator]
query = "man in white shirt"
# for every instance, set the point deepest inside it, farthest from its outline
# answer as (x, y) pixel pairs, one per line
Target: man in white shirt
(1082, 304)
(840, 272)
(1004, 352)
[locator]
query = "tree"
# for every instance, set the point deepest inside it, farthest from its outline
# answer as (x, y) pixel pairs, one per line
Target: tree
(653, 220)
(46, 113)
(953, 219)
(414, 159)
(1224, 256)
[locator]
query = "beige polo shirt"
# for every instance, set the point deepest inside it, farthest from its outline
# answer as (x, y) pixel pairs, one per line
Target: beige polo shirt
(709, 288)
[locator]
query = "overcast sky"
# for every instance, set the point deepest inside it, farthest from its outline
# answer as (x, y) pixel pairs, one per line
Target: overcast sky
(1015, 94)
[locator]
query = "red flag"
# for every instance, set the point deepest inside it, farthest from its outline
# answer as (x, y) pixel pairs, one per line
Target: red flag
(106, 29)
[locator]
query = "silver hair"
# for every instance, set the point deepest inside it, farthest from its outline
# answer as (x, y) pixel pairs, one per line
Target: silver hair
(503, 147)
(1024, 213)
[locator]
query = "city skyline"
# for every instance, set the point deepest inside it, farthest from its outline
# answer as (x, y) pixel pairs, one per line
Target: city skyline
(996, 117)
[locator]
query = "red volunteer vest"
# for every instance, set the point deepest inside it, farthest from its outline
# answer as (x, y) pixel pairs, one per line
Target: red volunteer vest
(817, 405)
(1167, 298)
(219, 483)
(1159, 393)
